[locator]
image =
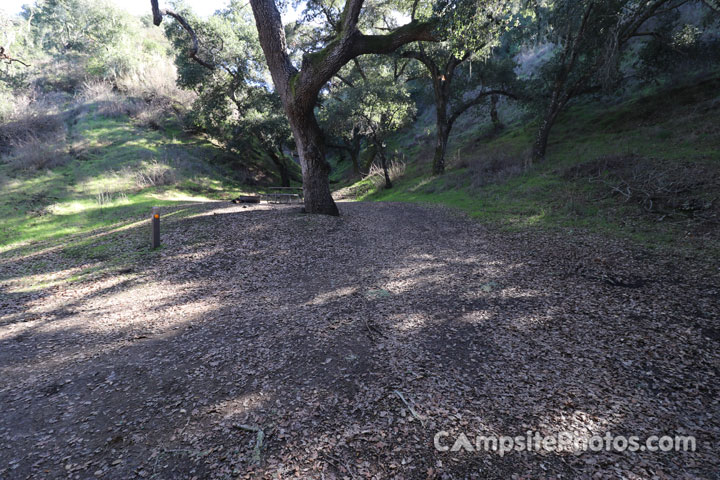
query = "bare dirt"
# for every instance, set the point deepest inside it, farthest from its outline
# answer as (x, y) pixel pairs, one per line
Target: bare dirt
(346, 344)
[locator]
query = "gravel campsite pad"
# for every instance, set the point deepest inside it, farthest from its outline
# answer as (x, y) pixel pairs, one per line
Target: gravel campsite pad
(260, 342)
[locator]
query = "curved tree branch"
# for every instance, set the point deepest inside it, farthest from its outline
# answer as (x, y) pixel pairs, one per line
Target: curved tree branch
(8, 59)
(477, 100)
(423, 58)
(157, 19)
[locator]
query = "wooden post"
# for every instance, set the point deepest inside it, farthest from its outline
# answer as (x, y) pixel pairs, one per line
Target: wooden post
(155, 227)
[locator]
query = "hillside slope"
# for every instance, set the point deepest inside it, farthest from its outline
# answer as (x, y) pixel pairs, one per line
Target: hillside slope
(647, 168)
(77, 167)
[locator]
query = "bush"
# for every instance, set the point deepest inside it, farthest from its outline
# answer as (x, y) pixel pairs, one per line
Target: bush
(61, 74)
(109, 103)
(32, 117)
(106, 197)
(151, 114)
(35, 153)
(396, 169)
(154, 174)
(34, 134)
(495, 166)
(153, 80)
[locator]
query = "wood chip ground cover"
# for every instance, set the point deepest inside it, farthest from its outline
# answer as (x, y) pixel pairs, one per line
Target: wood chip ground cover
(263, 343)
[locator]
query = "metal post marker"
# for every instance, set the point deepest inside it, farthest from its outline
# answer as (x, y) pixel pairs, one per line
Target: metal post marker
(155, 227)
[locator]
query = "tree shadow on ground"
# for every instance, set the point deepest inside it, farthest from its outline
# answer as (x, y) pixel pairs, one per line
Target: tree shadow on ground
(323, 332)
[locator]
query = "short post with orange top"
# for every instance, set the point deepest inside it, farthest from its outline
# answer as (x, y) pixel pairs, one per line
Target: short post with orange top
(155, 227)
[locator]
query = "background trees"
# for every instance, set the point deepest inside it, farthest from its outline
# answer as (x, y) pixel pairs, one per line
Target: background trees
(234, 101)
(456, 90)
(589, 38)
(299, 89)
(364, 105)
(316, 83)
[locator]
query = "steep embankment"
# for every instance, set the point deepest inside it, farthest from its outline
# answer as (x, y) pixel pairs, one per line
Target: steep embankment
(73, 164)
(647, 168)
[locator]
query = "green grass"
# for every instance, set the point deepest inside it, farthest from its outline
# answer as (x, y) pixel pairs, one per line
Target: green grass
(671, 127)
(83, 209)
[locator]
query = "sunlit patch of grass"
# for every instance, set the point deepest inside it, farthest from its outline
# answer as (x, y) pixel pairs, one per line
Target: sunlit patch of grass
(98, 190)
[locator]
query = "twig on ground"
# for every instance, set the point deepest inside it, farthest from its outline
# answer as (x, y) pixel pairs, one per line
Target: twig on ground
(260, 438)
(333, 460)
(373, 329)
(410, 407)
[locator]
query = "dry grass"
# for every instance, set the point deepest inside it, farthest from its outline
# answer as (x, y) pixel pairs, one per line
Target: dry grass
(106, 197)
(155, 173)
(494, 166)
(34, 134)
(154, 80)
(396, 169)
(31, 117)
(110, 103)
(34, 153)
(151, 114)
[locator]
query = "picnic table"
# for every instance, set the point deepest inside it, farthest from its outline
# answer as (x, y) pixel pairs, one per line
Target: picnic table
(284, 195)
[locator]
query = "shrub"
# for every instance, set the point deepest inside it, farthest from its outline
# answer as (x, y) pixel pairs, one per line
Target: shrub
(109, 103)
(35, 153)
(152, 80)
(154, 174)
(151, 114)
(32, 117)
(495, 166)
(396, 169)
(106, 197)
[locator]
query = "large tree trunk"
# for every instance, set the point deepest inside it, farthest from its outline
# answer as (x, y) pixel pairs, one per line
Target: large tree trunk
(383, 162)
(541, 141)
(543, 133)
(315, 169)
(494, 117)
(443, 132)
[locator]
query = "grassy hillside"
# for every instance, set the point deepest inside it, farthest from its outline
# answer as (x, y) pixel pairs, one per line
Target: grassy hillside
(647, 169)
(80, 172)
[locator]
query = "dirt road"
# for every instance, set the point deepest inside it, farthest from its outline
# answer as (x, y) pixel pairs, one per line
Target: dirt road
(263, 342)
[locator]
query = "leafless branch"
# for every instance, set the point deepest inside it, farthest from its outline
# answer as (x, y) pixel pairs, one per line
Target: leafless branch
(193, 53)
(360, 69)
(8, 59)
(345, 80)
(479, 98)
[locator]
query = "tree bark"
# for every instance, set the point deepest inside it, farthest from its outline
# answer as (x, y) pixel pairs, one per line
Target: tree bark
(494, 117)
(299, 90)
(383, 162)
(282, 168)
(372, 153)
(442, 125)
(315, 168)
(443, 132)
(543, 133)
